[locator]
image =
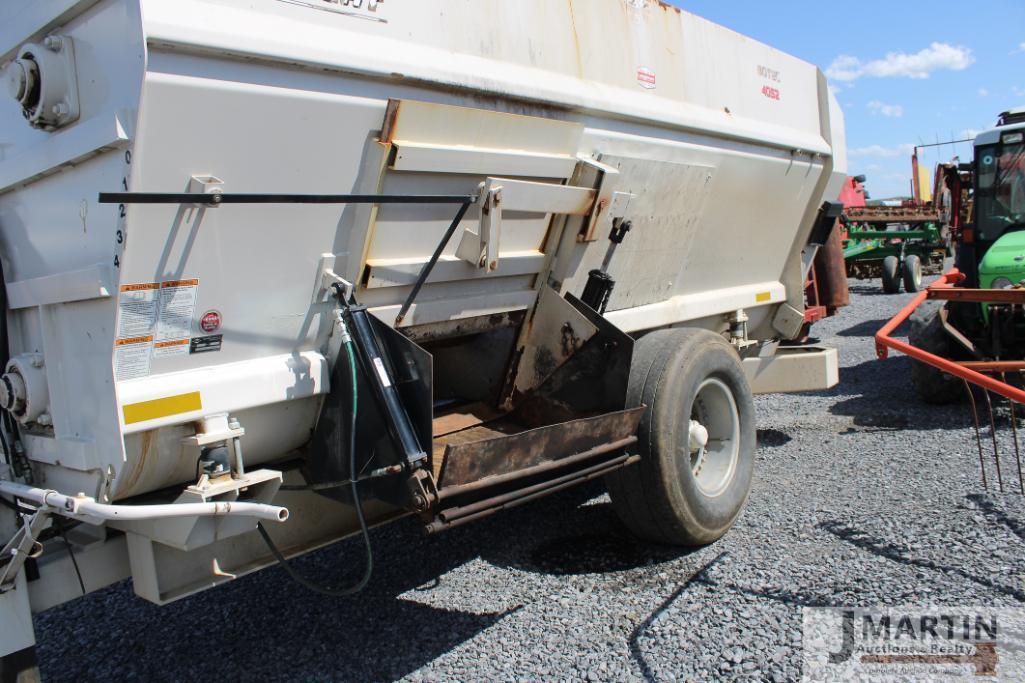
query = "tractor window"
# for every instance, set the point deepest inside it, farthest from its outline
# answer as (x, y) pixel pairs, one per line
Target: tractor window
(1001, 196)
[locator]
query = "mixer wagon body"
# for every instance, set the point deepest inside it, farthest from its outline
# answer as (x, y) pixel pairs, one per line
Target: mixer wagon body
(145, 331)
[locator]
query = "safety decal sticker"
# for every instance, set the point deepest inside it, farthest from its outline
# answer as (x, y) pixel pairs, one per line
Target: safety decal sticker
(177, 307)
(171, 347)
(137, 309)
(645, 78)
(210, 322)
(132, 357)
(382, 373)
(206, 344)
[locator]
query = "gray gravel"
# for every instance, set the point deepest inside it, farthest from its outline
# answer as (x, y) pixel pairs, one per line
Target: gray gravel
(863, 496)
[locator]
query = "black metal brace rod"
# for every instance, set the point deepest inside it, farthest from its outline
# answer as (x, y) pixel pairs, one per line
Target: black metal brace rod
(425, 272)
(217, 198)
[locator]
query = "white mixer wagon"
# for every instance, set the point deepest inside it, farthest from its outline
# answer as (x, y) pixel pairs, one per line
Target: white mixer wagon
(278, 270)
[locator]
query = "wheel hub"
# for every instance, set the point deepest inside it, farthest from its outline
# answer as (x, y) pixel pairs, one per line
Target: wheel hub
(714, 437)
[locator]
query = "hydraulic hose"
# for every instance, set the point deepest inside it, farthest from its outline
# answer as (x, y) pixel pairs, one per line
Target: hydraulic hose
(353, 482)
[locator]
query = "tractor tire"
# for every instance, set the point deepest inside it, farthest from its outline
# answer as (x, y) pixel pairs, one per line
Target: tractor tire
(926, 332)
(911, 271)
(697, 439)
(891, 275)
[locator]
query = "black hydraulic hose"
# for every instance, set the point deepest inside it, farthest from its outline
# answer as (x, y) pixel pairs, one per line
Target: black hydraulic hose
(353, 482)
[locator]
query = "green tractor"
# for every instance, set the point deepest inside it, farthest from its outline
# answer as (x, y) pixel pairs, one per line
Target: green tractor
(989, 225)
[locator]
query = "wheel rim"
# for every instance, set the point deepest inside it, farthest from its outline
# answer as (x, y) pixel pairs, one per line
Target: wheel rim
(714, 437)
(917, 272)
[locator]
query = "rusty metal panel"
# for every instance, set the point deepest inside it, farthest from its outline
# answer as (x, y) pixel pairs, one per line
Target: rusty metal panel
(501, 454)
(553, 333)
(592, 381)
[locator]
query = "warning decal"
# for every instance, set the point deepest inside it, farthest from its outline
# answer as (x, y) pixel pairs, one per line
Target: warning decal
(171, 347)
(137, 309)
(177, 307)
(645, 78)
(132, 357)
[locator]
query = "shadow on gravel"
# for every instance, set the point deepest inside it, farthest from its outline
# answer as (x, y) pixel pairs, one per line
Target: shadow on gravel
(987, 506)
(870, 288)
(868, 329)
(879, 547)
(265, 622)
(604, 545)
(700, 576)
(772, 438)
(878, 396)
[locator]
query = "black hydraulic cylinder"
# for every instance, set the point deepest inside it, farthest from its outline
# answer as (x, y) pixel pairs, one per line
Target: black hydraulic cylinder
(376, 370)
(600, 284)
(598, 290)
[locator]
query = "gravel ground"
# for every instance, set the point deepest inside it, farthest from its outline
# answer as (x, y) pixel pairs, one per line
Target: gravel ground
(863, 496)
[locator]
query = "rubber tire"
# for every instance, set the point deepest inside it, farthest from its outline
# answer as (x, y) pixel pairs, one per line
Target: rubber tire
(911, 273)
(925, 331)
(656, 499)
(891, 274)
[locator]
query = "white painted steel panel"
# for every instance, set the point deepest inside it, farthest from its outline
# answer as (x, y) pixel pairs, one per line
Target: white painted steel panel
(729, 154)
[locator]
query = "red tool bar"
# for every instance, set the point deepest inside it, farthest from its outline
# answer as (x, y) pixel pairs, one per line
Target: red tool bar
(884, 342)
(994, 365)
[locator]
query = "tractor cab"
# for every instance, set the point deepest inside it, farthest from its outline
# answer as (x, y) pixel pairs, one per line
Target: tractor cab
(992, 254)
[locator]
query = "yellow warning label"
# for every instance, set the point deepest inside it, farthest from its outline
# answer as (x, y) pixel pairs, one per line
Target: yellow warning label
(142, 287)
(162, 407)
(172, 343)
(762, 297)
(133, 340)
(179, 283)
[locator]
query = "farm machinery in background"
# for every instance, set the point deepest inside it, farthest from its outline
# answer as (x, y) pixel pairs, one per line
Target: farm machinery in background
(900, 244)
(825, 284)
(967, 330)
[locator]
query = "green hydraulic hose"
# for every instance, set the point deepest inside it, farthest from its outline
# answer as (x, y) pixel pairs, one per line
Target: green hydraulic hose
(362, 583)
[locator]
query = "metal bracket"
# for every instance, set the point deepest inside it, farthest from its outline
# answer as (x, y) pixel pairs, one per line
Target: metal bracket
(22, 546)
(480, 247)
(207, 185)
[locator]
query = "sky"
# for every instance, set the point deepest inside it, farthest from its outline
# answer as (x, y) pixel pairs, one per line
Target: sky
(906, 72)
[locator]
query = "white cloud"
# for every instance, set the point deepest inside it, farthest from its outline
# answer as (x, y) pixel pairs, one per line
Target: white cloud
(891, 110)
(983, 92)
(1020, 48)
(880, 151)
(936, 57)
(1018, 92)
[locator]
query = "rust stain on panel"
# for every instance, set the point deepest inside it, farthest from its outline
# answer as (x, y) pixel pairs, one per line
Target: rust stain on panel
(576, 40)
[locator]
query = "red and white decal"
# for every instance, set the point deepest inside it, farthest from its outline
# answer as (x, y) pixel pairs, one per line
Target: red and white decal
(210, 322)
(645, 77)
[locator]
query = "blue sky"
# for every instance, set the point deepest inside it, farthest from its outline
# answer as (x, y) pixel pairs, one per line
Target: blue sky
(906, 72)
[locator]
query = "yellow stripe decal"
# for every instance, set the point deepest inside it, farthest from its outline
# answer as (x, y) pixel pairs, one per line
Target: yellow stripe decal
(162, 407)
(762, 297)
